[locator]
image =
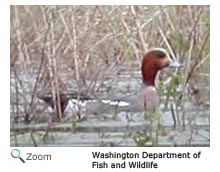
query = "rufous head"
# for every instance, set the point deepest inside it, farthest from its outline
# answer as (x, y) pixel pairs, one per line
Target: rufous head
(153, 61)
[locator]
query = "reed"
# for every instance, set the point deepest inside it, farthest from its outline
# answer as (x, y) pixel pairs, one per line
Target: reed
(83, 48)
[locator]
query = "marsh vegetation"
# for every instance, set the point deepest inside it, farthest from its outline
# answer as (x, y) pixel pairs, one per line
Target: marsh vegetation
(98, 50)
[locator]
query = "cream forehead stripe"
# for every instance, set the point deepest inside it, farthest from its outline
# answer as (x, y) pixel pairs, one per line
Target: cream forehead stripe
(163, 50)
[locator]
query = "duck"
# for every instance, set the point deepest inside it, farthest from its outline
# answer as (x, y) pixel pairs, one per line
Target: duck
(147, 98)
(66, 106)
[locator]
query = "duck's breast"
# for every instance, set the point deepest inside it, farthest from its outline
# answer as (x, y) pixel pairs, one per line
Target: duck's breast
(149, 99)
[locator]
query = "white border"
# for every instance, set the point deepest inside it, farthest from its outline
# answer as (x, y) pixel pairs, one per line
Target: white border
(76, 159)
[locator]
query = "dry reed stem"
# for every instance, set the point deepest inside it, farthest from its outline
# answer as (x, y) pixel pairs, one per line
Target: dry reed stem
(140, 33)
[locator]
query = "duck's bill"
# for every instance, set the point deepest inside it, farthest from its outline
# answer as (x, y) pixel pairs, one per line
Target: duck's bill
(175, 64)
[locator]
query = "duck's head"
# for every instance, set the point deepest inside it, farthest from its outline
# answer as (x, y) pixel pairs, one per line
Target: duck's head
(153, 61)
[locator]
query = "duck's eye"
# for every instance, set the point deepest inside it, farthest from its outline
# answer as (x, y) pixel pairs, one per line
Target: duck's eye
(171, 56)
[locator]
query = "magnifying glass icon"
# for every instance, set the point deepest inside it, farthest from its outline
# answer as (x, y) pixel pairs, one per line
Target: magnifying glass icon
(15, 153)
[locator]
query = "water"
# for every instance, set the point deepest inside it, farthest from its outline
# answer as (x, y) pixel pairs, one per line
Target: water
(189, 126)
